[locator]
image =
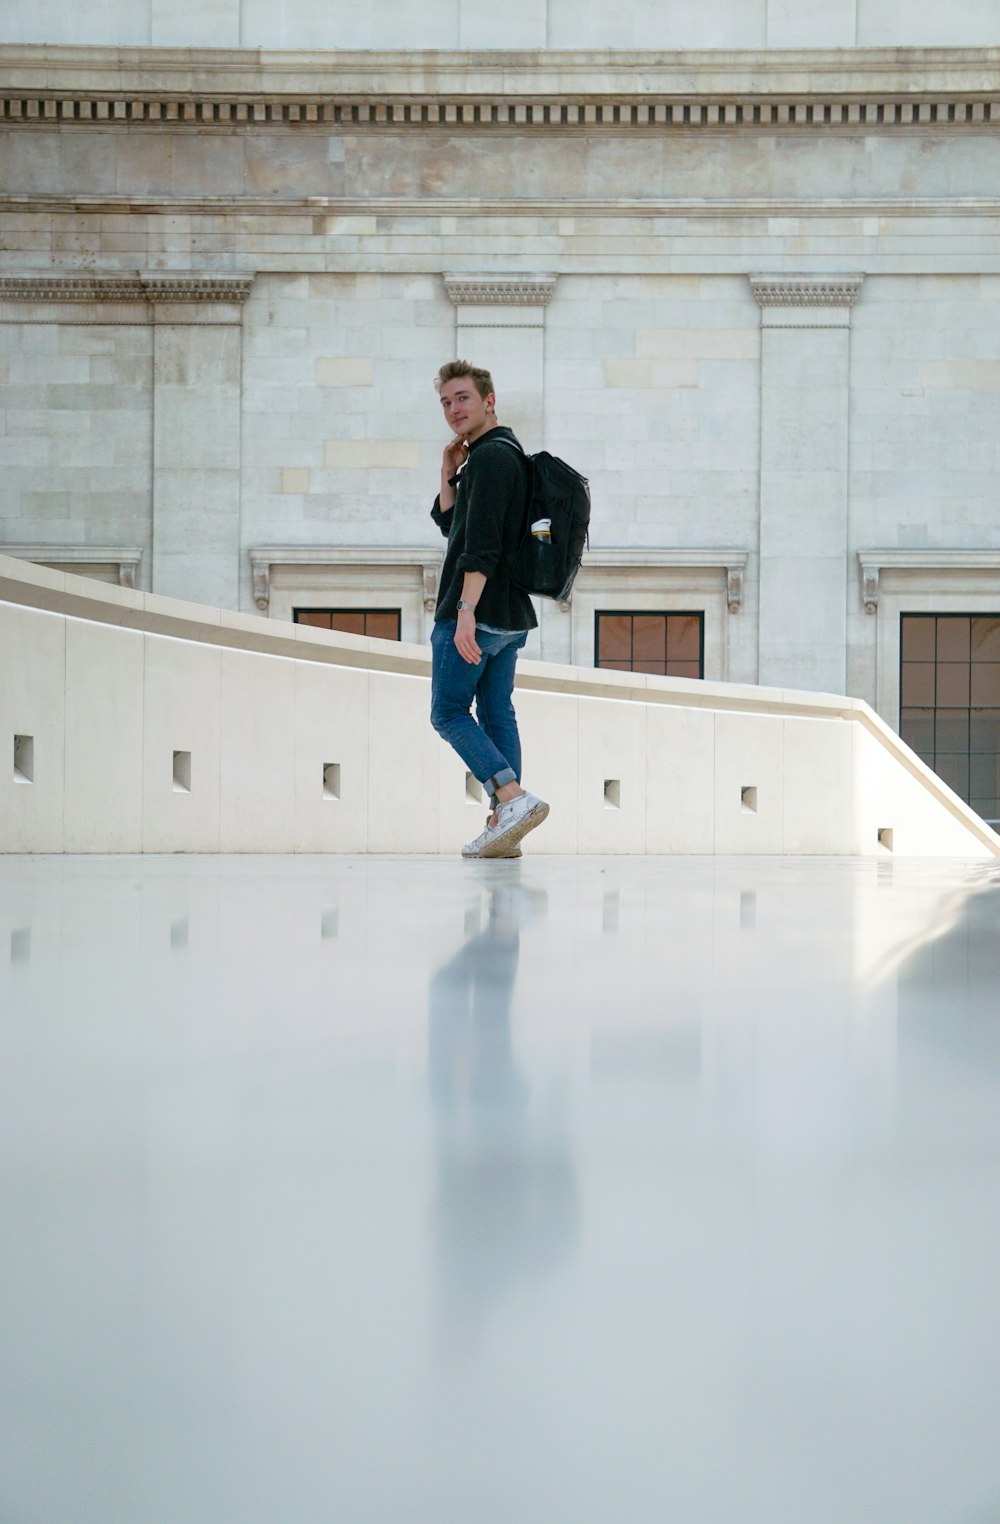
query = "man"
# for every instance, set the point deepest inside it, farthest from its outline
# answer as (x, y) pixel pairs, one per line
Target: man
(481, 620)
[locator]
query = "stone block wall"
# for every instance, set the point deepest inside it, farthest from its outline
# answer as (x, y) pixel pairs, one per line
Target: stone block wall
(76, 433)
(553, 24)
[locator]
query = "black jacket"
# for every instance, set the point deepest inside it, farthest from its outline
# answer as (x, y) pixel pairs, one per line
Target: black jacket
(484, 530)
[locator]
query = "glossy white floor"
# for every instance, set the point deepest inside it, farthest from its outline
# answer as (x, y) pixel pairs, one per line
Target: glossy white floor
(412, 1191)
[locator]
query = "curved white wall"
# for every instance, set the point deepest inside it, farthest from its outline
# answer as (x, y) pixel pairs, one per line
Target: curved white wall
(109, 684)
(654, 24)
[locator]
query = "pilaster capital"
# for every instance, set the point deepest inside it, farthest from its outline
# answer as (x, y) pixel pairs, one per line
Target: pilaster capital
(128, 289)
(500, 290)
(806, 301)
(189, 286)
(806, 290)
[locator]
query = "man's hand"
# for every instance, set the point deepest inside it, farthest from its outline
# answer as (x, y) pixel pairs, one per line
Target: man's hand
(454, 456)
(465, 638)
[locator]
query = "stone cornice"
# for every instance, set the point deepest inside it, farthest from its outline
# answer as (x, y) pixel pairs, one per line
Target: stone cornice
(158, 286)
(125, 557)
(639, 558)
(806, 290)
(873, 562)
(500, 290)
(265, 558)
(872, 89)
(443, 206)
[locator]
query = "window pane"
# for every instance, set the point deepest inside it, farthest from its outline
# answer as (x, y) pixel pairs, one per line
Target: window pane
(984, 776)
(347, 623)
(654, 668)
(953, 685)
(984, 730)
(986, 684)
(917, 638)
(951, 730)
(954, 771)
(318, 617)
(649, 637)
(917, 730)
(953, 639)
(989, 809)
(614, 638)
(684, 638)
(614, 666)
(986, 639)
(918, 684)
(683, 669)
(383, 626)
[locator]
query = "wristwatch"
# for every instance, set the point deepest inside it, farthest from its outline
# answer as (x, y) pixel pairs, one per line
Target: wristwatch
(462, 606)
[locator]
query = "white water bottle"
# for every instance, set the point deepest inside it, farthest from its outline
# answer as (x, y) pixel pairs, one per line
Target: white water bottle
(542, 529)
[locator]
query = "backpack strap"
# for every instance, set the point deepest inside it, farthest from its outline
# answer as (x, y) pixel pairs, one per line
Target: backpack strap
(513, 444)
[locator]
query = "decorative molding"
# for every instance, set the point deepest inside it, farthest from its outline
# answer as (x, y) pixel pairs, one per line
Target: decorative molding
(125, 557)
(263, 558)
(500, 290)
(180, 110)
(175, 286)
(806, 290)
(873, 562)
(686, 207)
(642, 558)
(166, 286)
(553, 90)
(71, 288)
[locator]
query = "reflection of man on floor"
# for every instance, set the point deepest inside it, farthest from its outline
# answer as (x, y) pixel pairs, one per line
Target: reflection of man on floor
(506, 1208)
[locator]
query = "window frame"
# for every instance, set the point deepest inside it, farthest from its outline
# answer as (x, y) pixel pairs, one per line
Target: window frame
(935, 708)
(366, 612)
(635, 613)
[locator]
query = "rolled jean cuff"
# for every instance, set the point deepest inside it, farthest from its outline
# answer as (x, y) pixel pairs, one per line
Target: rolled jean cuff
(499, 780)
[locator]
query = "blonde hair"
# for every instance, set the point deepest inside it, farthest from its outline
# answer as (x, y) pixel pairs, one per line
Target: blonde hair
(454, 369)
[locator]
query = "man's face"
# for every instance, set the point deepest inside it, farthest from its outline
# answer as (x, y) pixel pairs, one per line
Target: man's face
(465, 412)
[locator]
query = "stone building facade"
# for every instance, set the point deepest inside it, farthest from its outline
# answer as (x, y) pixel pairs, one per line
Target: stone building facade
(739, 263)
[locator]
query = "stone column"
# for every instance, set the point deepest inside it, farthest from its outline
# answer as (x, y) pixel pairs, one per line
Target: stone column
(197, 353)
(500, 324)
(804, 389)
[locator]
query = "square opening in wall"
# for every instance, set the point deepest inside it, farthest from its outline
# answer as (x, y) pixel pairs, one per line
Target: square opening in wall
(748, 798)
(331, 780)
(24, 759)
(473, 789)
(612, 793)
(885, 838)
(182, 772)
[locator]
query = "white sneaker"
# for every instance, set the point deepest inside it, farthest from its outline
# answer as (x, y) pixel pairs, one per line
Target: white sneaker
(474, 848)
(514, 820)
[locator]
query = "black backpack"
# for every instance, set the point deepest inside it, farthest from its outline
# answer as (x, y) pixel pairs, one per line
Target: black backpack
(556, 492)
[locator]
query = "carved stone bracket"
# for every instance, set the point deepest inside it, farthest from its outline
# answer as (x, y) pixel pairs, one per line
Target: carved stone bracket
(500, 290)
(806, 290)
(869, 586)
(155, 286)
(261, 581)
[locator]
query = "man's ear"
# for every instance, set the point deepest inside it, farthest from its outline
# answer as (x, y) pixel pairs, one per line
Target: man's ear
(491, 403)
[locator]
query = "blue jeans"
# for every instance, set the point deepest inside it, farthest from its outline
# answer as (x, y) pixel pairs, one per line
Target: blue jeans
(491, 749)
